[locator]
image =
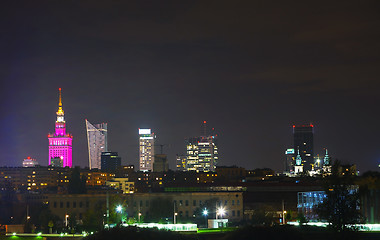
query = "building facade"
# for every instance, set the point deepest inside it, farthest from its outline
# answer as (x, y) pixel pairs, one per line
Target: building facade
(29, 162)
(185, 204)
(97, 143)
(160, 163)
(146, 151)
(60, 143)
(289, 161)
(110, 161)
(303, 138)
(181, 161)
(201, 154)
(56, 162)
(123, 184)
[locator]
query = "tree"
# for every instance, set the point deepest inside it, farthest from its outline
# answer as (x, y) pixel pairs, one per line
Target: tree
(341, 206)
(160, 208)
(263, 216)
(93, 218)
(41, 218)
(51, 225)
(301, 218)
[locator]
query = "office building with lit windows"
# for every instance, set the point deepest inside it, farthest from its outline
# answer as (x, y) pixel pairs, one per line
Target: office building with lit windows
(60, 143)
(146, 149)
(303, 141)
(289, 161)
(181, 162)
(201, 152)
(97, 143)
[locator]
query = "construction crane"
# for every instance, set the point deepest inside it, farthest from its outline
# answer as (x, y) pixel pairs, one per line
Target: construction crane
(161, 147)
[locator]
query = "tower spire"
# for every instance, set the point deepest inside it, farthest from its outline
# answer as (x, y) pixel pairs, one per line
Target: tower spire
(298, 158)
(60, 98)
(60, 110)
(326, 160)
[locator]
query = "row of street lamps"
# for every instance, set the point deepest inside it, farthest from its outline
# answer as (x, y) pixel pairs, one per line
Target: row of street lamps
(219, 212)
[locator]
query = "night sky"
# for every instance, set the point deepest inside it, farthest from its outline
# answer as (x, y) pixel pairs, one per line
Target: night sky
(251, 69)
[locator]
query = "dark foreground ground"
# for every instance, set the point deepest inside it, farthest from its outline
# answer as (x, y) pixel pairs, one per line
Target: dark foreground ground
(246, 233)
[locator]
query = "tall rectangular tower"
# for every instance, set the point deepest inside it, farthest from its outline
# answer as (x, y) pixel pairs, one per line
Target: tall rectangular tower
(97, 143)
(303, 141)
(60, 143)
(146, 152)
(110, 161)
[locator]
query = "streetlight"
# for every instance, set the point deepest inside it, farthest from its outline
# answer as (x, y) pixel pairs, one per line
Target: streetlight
(220, 211)
(283, 217)
(139, 216)
(205, 213)
(119, 209)
(66, 218)
(175, 215)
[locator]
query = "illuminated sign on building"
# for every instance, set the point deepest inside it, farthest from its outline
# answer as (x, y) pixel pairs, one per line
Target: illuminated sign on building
(289, 151)
(144, 131)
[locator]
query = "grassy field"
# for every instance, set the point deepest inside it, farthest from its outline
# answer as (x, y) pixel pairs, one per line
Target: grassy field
(245, 233)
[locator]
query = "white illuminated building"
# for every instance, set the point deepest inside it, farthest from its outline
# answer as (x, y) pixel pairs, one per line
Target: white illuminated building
(201, 154)
(146, 151)
(97, 143)
(29, 162)
(298, 168)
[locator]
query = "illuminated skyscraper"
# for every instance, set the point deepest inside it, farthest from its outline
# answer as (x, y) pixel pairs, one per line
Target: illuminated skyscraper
(60, 143)
(146, 139)
(201, 152)
(303, 140)
(97, 143)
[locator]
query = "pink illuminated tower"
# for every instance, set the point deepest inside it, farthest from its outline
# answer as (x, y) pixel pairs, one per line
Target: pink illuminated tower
(60, 143)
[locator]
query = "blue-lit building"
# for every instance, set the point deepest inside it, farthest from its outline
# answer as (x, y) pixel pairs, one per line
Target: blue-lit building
(307, 201)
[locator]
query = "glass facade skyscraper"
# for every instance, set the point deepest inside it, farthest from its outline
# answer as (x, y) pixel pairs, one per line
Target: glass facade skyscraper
(97, 143)
(146, 149)
(60, 143)
(201, 152)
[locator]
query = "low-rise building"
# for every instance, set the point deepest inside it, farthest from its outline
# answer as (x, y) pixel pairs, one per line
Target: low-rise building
(121, 183)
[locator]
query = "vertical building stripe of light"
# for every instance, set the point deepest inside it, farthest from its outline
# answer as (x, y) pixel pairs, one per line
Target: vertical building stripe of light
(97, 143)
(146, 149)
(60, 143)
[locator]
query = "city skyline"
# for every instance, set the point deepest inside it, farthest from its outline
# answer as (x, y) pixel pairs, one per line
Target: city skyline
(252, 70)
